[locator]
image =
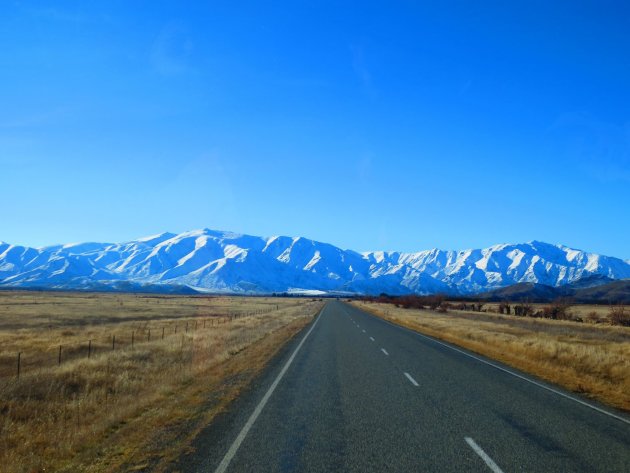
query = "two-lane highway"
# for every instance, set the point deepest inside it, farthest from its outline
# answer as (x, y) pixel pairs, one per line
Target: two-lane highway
(355, 393)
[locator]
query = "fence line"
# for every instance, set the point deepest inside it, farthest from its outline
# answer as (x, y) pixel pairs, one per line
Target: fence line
(21, 362)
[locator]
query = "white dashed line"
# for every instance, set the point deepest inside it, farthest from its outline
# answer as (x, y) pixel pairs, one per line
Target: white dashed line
(484, 456)
(411, 380)
(384, 351)
(372, 338)
(363, 331)
(505, 370)
(516, 375)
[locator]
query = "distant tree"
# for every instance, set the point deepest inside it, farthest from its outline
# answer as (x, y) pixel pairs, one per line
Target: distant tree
(435, 301)
(558, 309)
(528, 308)
(524, 309)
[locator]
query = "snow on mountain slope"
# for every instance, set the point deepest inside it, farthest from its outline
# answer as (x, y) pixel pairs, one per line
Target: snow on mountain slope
(229, 262)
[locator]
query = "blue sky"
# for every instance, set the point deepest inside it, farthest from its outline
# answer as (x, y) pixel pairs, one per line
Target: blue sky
(391, 125)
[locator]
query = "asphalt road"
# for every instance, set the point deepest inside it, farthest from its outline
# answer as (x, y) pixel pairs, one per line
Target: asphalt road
(353, 393)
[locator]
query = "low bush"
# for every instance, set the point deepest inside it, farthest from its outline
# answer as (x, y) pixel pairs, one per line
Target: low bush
(618, 315)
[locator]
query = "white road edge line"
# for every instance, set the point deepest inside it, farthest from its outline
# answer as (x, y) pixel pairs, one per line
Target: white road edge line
(500, 368)
(250, 422)
(484, 456)
(413, 381)
(372, 338)
(384, 351)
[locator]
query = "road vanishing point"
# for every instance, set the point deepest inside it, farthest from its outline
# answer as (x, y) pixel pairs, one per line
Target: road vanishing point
(355, 393)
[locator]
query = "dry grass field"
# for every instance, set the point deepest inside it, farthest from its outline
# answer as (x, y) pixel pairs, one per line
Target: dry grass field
(591, 359)
(139, 374)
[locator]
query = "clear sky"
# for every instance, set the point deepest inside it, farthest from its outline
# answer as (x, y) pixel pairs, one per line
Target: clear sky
(390, 125)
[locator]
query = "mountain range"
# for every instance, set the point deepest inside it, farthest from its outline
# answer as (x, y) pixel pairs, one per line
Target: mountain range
(224, 262)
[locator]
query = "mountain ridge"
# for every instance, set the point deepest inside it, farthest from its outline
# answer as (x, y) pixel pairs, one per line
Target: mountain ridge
(222, 261)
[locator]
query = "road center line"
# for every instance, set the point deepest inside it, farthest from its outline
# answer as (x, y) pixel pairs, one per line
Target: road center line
(384, 351)
(484, 456)
(372, 338)
(413, 381)
(250, 422)
(363, 331)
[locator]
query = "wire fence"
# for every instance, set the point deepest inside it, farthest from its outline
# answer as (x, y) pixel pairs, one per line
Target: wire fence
(14, 365)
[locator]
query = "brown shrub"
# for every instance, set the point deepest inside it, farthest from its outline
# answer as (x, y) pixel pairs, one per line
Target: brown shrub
(618, 315)
(558, 310)
(592, 317)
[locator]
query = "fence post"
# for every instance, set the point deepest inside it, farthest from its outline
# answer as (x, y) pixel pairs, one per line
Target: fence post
(89, 348)
(204, 323)
(113, 342)
(162, 333)
(186, 327)
(59, 358)
(149, 336)
(132, 336)
(19, 363)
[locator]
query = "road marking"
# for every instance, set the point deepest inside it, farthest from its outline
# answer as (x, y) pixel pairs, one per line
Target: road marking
(363, 331)
(413, 381)
(384, 351)
(250, 422)
(505, 370)
(372, 338)
(484, 456)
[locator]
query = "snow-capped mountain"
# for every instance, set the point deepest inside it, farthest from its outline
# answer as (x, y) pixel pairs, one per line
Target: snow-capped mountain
(227, 262)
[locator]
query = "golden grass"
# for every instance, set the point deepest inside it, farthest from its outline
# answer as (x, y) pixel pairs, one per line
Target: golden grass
(127, 409)
(589, 359)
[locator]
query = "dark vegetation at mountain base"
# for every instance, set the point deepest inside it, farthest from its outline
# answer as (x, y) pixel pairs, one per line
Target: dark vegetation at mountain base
(558, 309)
(585, 291)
